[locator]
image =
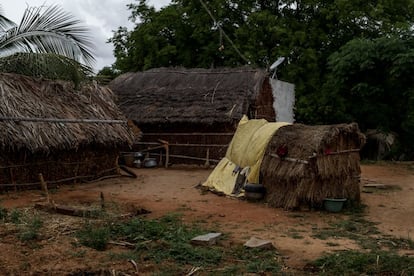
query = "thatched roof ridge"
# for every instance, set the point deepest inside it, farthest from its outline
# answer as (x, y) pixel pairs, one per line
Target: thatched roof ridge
(179, 95)
(315, 139)
(22, 96)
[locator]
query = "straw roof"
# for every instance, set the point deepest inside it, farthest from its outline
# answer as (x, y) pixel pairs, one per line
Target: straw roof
(25, 97)
(177, 95)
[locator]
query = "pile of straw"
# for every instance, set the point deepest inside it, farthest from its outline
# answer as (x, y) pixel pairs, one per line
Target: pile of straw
(321, 162)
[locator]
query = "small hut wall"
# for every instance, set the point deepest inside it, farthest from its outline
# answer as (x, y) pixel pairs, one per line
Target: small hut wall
(189, 140)
(20, 170)
(322, 162)
(263, 105)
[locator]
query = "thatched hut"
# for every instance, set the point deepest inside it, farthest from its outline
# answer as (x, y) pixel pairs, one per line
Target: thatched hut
(48, 127)
(195, 110)
(303, 165)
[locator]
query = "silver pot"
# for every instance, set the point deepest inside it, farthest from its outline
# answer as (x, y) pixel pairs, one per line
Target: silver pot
(137, 163)
(150, 163)
(139, 155)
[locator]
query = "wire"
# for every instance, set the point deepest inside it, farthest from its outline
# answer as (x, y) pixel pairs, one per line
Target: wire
(223, 32)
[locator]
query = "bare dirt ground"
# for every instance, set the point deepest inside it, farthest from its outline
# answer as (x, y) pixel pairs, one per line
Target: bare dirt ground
(164, 191)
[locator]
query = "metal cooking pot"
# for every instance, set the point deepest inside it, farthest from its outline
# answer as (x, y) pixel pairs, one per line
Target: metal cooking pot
(139, 155)
(150, 163)
(137, 163)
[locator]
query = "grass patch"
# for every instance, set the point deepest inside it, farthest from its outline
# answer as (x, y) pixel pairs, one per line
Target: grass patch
(15, 216)
(3, 214)
(96, 237)
(30, 231)
(364, 232)
(243, 261)
(354, 227)
(164, 244)
(27, 225)
(358, 263)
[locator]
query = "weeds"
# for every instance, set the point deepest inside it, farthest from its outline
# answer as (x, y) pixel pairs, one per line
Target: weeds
(364, 232)
(30, 231)
(3, 214)
(96, 237)
(358, 263)
(15, 216)
(167, 241)
(259, 261)
(28, 226)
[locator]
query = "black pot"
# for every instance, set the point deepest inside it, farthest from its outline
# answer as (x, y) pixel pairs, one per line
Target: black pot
(254, 191)
(255, 188)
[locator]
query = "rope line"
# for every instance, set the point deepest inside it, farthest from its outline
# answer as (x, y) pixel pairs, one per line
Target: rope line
(223, 32)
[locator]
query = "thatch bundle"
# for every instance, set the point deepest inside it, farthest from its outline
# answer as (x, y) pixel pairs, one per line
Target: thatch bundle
(43, 121)
(320, 162)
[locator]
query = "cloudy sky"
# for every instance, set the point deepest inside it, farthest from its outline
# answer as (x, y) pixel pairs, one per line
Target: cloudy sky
(101, 16)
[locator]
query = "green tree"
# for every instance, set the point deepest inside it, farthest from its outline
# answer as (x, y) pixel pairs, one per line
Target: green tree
(313, 35)
(106, 74)
(48, 42)
(371, 82)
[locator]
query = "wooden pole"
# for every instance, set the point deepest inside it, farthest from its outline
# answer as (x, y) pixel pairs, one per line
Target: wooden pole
(207, 164)
(165, 144)
(102, 201)
(167, 155)
(12, 179)
(44, 187)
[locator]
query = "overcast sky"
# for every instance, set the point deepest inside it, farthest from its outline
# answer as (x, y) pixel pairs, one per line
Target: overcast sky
(101, 16)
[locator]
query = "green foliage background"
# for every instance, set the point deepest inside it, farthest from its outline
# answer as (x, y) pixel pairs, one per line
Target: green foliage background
(350, 60)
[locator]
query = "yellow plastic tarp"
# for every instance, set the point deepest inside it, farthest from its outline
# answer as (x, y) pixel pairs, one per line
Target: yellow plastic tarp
(245, 150)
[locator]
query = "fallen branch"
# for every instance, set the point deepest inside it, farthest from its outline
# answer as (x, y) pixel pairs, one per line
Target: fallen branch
(66, 210)
(126, 244)
(134, 264)
(128, 171)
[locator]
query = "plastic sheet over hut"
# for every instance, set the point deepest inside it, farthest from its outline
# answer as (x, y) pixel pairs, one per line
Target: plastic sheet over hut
(303, 165)
(48, 127)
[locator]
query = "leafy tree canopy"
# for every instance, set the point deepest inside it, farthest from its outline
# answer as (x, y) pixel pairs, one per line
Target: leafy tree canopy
(349, 59)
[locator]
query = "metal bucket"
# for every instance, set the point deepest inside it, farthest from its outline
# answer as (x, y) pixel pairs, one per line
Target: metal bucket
(150, 163)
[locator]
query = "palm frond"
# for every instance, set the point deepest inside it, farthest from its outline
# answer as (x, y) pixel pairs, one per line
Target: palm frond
(50, 66)
(5, 23)
(49, 31)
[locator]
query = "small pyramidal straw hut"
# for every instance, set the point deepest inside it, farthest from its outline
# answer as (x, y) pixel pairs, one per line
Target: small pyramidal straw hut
(297, 165)
(66, 135)
(197, 110)
(303, 165)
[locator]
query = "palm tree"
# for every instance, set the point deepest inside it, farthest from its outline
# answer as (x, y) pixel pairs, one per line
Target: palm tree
(48, 42)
